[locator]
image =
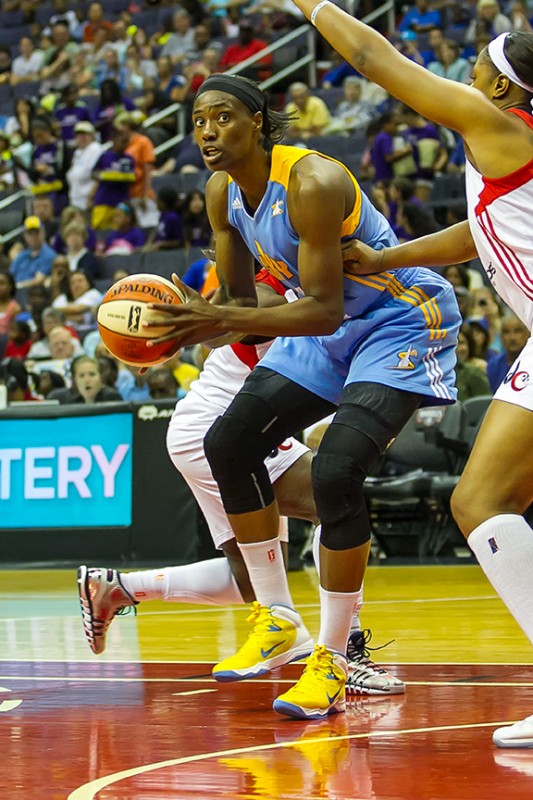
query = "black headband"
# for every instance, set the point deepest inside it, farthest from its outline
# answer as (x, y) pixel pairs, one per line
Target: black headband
(248, 93)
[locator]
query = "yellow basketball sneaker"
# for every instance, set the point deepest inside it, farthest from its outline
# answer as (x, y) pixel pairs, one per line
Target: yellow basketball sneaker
(278, 636)
(320, 690)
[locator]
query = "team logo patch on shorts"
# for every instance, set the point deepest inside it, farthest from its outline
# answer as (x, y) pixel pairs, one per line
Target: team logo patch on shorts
(405, 359)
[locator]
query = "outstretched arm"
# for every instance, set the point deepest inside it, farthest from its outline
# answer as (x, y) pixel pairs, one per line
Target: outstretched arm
(446, 102)
(451, 246)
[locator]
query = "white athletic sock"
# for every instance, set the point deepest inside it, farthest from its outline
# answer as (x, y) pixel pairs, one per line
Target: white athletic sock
(336, 611)
(266, 569)
(504, 548)
(207, 582)
(355, 624)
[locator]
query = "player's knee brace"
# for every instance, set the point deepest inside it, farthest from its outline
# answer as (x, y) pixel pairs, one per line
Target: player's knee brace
(338, 488)
(236, 454)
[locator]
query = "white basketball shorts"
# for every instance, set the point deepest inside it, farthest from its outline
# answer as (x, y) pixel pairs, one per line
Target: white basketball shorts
(517, 386)
(209, 396)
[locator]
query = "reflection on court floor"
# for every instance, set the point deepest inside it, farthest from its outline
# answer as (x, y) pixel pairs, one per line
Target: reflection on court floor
(147, 722)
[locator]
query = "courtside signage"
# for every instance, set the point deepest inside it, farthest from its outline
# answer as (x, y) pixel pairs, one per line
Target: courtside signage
(71, 472)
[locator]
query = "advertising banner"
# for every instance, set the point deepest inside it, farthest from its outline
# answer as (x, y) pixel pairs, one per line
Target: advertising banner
(69, 472)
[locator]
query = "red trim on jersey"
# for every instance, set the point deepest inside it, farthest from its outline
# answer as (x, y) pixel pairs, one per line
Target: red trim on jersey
(264, 276)
(247, 353)
(508, 259)
(493, 188)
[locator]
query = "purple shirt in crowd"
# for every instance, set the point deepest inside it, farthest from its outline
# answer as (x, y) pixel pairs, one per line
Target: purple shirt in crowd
(135, 237)
(416, 135)
(60, 246)
(111, 193)
(104, 116)
(68, 116)
(383, 146)
(169, 228)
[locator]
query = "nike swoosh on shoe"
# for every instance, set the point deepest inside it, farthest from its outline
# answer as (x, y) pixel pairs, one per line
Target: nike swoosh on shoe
(333, 697)
(266, 653)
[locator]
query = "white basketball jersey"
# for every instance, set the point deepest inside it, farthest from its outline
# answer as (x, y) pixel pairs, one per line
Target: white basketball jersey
(224, 373)
(501, 221)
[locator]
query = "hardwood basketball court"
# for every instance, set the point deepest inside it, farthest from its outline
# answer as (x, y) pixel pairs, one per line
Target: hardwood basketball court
(145, 721)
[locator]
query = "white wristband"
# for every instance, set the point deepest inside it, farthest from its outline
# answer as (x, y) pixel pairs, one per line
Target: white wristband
(316, 9)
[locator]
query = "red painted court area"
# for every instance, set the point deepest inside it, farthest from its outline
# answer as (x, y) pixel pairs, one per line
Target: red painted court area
(132, 731)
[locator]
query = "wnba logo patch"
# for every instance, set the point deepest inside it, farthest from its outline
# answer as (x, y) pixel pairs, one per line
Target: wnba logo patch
(271, 555)
(134, 319)
(493, 544)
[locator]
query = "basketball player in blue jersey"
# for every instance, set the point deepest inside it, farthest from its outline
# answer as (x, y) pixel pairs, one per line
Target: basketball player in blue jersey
(370, 348)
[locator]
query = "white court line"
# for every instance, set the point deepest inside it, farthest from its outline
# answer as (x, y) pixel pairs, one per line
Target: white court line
(85, 679)
(396, 662)
(89, 790)
(195, 691)
(244, 607)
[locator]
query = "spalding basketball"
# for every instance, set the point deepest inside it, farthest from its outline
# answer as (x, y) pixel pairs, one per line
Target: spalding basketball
(123, 311)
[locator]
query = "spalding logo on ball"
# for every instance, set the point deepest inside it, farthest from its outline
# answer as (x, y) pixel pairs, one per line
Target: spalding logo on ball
(123, 311)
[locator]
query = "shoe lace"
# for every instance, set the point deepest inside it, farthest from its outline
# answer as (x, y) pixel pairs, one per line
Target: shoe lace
(359, 653)
(320, 662)
(260, 618)
(123, 611)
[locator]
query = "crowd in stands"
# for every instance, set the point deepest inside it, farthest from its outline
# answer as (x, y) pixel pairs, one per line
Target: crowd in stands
(78, 82)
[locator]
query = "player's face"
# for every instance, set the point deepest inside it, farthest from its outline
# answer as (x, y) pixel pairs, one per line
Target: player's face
(483, 75)
(224, 130)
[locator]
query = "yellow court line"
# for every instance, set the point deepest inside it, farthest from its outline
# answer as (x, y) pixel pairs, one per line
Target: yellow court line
(89, 790)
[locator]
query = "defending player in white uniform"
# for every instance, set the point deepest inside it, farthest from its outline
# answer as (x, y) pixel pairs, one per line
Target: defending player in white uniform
(105, 592)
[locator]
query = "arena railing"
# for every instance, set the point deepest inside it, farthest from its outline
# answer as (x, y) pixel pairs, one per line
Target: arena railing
(386, 11)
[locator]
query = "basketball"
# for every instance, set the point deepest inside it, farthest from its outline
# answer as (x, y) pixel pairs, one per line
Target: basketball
(123, 311)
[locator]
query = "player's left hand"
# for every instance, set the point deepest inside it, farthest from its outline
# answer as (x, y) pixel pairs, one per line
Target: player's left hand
(360, 259)
(194, 321)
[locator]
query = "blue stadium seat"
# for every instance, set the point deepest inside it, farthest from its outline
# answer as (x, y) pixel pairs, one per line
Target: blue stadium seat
(165, 262)
(162, 181)
(116, 6)
(10, 37)
(192, 255)
(447, 190)
(133, 263)
(26, 89)
(12, 19)
(333, 145)
(191, 181)
(148, 20)
(10, 219)
(103, 284)
(457, 34)
(331, 97)
(43, 13)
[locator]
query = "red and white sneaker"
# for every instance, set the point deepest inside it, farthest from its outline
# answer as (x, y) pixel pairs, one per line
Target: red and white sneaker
(102, 597)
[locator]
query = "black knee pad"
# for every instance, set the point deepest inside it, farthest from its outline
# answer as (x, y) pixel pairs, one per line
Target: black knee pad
(236, 452)
(370, 415)
(230, 449)
(338, 489)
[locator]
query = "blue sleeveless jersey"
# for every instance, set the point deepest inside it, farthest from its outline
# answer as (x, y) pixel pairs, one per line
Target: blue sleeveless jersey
(270, 236)
(400, 327)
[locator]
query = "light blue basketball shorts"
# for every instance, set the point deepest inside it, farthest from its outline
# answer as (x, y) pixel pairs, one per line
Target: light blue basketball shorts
(405, 341)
